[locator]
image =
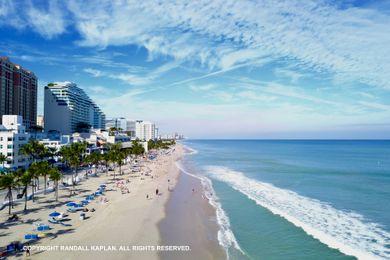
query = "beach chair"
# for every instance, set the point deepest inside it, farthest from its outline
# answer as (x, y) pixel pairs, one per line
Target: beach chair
(43, 228)
(54, 221)
(31, 237)
(71, 209)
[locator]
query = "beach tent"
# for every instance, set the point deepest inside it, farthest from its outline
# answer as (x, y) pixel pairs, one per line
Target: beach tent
(54, 214)
(84, 202)
(71, 204)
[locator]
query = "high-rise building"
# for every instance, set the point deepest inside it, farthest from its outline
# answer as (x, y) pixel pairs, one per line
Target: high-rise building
(12, 137)
(40, 121)
(145, 130)
(67, 108)
(130, 128)
(18, 92)
(117, 122)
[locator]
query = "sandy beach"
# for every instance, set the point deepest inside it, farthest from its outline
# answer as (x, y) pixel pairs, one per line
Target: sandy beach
(125, 225)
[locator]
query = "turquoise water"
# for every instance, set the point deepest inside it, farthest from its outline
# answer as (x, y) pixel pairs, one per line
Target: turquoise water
(299, 199)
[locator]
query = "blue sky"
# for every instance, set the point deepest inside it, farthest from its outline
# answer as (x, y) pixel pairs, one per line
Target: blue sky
(225, 69)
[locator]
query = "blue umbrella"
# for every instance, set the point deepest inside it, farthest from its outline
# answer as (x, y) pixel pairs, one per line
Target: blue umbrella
(85, 202)
(54, 214)
(71, 204)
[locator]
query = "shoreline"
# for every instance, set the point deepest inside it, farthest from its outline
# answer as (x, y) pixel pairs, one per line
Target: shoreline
(191, 221)
(127, 225)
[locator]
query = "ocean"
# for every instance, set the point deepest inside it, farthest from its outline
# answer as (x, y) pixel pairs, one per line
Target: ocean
(297, 199)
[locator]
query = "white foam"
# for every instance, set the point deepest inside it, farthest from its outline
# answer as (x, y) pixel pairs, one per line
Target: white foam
(226, 237)
(190, 150)
(348, 232)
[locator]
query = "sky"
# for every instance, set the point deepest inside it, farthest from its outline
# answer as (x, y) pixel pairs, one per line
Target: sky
(215, 69)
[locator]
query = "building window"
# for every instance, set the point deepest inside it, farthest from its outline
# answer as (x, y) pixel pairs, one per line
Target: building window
(10, 146)
(10, 139)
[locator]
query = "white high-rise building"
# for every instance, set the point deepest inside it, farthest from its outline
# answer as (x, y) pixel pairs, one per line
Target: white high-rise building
(145, 130)
(130, 129)
(67, 106)
(12, 137)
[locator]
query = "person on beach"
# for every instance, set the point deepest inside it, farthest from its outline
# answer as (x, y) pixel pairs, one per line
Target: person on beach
(147, 196)
(156, 191)
(28, 250)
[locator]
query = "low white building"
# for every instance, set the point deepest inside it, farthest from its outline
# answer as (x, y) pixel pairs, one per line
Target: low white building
(56, 143)
(12, 137)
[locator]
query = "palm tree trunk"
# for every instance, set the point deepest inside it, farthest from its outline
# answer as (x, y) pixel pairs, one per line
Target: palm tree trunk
(25, 198)
(45, 179)
(9, 200)
(56, 183)
(32, 189)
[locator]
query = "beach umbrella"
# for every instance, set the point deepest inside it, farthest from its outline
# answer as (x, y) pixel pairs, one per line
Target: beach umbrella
(71, 204)
(102, 185)
(54, 214)
(85, 202)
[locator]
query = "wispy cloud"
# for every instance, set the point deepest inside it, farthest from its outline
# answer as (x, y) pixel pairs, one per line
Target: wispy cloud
(351, 43)
(199, 88)
(135, 77)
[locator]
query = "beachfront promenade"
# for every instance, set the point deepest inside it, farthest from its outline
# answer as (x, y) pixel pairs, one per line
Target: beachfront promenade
(126, 212)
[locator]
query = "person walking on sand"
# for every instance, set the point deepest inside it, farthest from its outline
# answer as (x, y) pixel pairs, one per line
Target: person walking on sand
(28, 251)
(156, 191)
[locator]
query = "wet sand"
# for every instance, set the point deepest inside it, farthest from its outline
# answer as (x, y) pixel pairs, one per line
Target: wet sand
(191, 221)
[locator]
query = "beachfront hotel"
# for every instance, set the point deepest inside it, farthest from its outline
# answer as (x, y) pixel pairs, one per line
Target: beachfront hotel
(12, 137)
(66, 106)
(18, 92)
(145, 130)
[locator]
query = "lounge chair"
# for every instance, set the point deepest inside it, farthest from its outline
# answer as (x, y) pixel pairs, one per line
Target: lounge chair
(54, 221)
(71, 209)
(43, 228)
(31, 237)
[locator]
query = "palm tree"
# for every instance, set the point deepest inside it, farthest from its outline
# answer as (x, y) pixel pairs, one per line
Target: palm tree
(34, 170)
(137, 148)
(50, 152)
(120, 156)
(73, 156)
(3, 159)
(7, 181)
(25, 180)
(94, 158)
(114, 154)
(43, 170)
(34, 150)
(55, 175)
(105, 160)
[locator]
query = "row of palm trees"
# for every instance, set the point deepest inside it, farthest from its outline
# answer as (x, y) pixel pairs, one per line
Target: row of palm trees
(74, 156)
